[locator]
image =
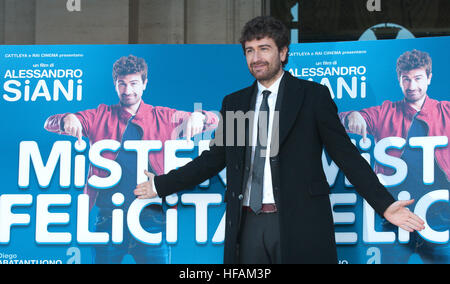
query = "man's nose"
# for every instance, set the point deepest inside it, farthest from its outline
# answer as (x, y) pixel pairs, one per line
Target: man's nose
(255, 57)
(129, 89)
(413, 85)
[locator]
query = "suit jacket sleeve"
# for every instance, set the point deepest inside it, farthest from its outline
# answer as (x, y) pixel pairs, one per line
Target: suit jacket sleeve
(347, 156)
(205, 166)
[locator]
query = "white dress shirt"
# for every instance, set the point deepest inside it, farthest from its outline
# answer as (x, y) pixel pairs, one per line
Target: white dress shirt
(268, 197)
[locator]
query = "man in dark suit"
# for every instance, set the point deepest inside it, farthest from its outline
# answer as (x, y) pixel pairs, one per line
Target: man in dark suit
(278, 206)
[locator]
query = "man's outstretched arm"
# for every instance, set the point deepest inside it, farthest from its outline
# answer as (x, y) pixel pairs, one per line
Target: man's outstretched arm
(356, 168)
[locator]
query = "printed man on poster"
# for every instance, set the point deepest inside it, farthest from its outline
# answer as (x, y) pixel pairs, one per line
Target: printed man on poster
(424, 123)
(130, 120)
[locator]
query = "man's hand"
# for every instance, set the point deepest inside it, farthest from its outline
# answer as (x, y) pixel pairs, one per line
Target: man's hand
(357, 124)
(145, 190)
(194, 124)
(73, 127)
(400, 216)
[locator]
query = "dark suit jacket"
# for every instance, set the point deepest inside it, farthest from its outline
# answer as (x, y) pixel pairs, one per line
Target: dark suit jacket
(308, 122)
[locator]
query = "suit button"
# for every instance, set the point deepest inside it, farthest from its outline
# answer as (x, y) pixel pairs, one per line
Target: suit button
(241, 196)
(247, 168)
(233, 194)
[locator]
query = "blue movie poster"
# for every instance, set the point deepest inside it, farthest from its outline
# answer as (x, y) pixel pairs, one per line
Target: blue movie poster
(57, 198)
(394, 104)
(70, 150)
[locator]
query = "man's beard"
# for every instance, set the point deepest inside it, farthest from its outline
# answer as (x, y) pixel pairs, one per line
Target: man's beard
(270, 74)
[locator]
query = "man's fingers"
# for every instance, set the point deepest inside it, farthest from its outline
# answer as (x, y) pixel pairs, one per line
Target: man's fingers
(196, 131)
(193, 127)
(411, 220)
(351, 126)
(68, 129)
(141, 193)
(405, 203)
(414, 225)
(358, 129)
(364, 133)
(406, 228)
(188, 130)
(79, 135)
(399, 214)
(141, 185)
(73, 131)
(417, 220)
(144, 190)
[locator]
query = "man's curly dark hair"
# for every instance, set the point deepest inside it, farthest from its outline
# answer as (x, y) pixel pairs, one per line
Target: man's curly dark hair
(130, 65)
(266, 26)
(414, 59)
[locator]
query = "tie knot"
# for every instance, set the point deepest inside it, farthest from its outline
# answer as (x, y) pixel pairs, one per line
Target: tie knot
(266, 94)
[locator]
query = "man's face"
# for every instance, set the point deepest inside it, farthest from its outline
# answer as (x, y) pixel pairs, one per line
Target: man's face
(414, 84)
(264, 60)
(130, 88)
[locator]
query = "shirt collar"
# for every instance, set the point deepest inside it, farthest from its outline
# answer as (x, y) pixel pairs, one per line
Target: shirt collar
(427, 107)
(125, 115)
(273, 89)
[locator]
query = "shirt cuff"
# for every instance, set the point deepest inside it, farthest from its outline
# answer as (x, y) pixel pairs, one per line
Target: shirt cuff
(154, 188)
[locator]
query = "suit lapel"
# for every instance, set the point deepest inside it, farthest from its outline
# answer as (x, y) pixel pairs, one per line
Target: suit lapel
(249, 98)
(246, 104)
(292, 99)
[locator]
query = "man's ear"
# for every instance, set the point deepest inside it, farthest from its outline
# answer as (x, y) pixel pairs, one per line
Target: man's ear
(145, 84)
(283, 53)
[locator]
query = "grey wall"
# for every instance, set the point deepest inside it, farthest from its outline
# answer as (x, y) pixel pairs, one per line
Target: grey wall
(122, 21)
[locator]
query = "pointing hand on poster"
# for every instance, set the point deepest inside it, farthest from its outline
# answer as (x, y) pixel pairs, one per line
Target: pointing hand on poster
(399, 215)
(195, 124)
(73, 127)
(357, 124)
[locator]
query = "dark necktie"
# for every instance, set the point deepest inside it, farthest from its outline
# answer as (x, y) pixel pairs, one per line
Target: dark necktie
(259, 160)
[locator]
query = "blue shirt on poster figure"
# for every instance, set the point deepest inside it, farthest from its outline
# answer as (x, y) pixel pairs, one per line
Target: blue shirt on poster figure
(128, 162)
(152, 218)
